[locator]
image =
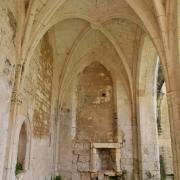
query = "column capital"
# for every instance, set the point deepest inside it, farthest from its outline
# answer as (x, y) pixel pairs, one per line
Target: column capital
(16, 98)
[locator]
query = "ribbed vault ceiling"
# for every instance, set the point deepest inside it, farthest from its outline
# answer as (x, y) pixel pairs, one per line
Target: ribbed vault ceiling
(96, 28)
(73, 23)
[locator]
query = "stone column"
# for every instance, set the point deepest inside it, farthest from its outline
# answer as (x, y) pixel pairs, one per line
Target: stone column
(16, 100)
(148, 147)
(174, 113)
(118, 159)
(10, 151)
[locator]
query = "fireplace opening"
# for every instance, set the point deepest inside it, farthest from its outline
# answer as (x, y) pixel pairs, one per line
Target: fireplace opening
(106, 159)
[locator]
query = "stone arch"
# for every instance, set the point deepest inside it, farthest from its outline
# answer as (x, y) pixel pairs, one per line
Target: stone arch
(71, 81)
(77, 67)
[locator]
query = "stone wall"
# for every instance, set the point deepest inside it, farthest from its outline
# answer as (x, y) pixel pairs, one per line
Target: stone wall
(95, 121)
(38, 85)
(42, 110)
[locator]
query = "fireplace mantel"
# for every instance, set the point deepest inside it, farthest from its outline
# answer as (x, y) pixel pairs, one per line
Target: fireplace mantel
(95, 147)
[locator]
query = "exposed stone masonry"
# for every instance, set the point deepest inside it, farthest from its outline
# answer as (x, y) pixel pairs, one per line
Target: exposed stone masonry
(95, 121)
(43, 92)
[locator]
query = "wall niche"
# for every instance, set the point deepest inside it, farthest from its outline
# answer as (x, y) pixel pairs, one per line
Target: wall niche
(95, 148)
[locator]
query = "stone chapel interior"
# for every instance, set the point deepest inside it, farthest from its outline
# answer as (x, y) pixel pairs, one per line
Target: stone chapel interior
(89, 89)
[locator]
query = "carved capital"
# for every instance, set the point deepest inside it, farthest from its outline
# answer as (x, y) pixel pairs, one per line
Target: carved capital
(16, 98)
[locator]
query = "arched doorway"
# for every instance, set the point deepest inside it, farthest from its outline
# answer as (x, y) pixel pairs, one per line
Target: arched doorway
(22, 147)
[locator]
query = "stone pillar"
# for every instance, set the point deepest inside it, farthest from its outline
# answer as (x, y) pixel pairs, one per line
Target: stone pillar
(174, 112)
(149, 149)
(10, 164)
(16, 100)
(118, 159)
(93, 159)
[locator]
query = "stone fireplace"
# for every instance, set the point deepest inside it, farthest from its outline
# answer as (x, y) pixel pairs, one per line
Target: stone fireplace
(105, 159)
